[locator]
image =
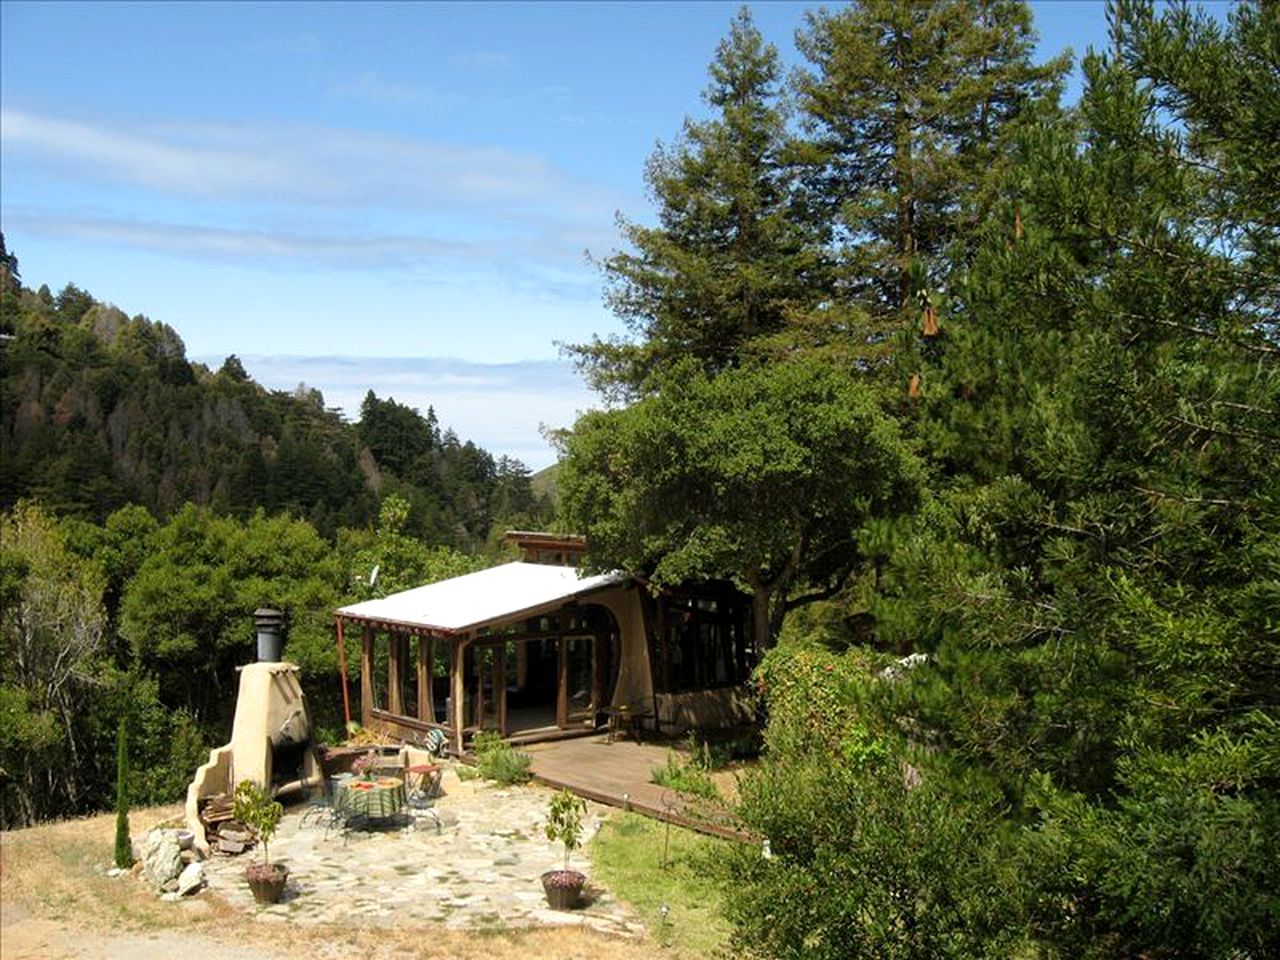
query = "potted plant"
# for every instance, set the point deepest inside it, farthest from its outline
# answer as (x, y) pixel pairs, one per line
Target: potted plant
(564, 823)
(254, 808)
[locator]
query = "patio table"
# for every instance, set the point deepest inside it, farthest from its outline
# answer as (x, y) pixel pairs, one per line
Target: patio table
(631, 718)
(380, 798)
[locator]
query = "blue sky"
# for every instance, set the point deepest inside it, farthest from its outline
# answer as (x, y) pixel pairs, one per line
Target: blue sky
(395, 196)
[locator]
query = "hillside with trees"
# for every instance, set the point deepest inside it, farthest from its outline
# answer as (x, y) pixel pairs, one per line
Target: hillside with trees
(1023, 668)
(99, 410)
(976, 393)
(151, 504)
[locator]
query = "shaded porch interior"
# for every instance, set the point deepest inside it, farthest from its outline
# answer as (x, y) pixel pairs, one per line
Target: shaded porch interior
(537, 650)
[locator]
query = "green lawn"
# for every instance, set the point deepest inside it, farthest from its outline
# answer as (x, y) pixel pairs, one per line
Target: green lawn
(627, 857)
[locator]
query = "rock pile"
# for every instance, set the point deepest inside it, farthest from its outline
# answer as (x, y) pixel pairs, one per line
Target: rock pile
(173, 870)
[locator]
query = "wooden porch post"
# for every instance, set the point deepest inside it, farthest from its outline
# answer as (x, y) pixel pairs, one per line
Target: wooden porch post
(342, 666)
(426, 706)
(395, 673)
(500, 687)
(562, 682)
(457, 663)
(366, 677)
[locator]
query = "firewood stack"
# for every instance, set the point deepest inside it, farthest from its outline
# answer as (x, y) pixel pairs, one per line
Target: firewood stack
(224, 832)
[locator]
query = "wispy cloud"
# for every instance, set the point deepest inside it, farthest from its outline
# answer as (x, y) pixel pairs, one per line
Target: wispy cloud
(374, 88)
(480, 61)
(162, 164)
(305, 44)
(316, 197)
(545, 265)
(225, 243)
(303, 164)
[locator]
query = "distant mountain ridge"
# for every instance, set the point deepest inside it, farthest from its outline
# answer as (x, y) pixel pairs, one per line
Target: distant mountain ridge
(98, 409)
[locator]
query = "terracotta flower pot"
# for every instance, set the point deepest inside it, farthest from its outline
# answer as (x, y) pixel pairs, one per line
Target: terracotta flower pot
(563, 888)
(267, 881)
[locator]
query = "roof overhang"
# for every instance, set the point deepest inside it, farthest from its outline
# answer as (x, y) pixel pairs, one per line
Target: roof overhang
(486, 598)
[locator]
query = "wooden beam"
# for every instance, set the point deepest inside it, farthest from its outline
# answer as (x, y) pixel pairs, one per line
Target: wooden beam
(366, 677)
(500, 687)
(395, 673)
(426, 704)
(562, 683)
(342, 666)
(457, 663)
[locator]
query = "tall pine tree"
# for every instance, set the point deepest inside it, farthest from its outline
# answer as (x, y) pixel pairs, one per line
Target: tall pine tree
(727, 262)
(904, 107)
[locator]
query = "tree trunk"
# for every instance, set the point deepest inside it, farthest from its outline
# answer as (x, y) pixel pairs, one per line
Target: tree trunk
(761, 622)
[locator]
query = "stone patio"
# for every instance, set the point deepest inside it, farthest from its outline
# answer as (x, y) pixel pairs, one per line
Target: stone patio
(474, 861)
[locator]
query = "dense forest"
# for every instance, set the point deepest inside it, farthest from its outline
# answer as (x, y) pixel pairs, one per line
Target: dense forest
(150, 505)
(100, 410)
(976, 393)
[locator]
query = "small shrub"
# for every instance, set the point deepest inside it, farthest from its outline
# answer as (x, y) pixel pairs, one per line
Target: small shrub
(685, 778)
(124, 849)
(564, 821)
(497, 760)
(252, 806)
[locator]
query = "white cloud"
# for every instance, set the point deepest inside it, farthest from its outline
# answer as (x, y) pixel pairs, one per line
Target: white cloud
(480, 60)
(305, 165)
(546, 265)
(134, 158)
(374, 88)
(228, 243)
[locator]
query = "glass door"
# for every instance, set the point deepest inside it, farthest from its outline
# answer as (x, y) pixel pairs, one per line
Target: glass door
(579, 693)
(486, 686)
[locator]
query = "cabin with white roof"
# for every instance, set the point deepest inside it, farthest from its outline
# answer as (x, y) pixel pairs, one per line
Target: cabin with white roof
(536, 650)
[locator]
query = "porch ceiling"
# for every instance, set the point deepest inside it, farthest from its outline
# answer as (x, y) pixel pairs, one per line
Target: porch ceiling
(485, 598)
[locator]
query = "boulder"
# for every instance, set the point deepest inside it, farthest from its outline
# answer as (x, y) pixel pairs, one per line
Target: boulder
(191, 879)
(161, 858)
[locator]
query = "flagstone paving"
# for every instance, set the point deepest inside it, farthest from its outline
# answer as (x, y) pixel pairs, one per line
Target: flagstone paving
(474, 861)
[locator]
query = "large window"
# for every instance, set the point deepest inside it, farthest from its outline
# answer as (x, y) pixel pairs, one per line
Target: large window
(409, 676)
(702, 643)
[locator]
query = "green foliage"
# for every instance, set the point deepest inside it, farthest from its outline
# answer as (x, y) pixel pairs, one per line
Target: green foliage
(816, 701)
(252, 806)
(188, 609)
(457, 493)
(497, 760)
(124, 849)
(51, 639)
(685, 777)
(878, 847)
(905, 108)
(390, 561)
(762, 475)
(1096, 578)
(564, 821)
(1083, 759)
(100, 410)
(870, 861)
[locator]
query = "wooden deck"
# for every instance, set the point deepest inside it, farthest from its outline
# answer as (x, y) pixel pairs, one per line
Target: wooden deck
(618, 774)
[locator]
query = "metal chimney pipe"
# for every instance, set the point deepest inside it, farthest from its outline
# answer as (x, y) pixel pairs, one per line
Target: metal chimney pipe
(270, 624)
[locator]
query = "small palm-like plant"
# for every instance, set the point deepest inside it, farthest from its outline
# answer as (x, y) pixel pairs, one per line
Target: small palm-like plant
(564, 821)
(254, 808)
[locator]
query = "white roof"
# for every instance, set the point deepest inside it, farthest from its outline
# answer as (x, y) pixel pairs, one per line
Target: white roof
(487, 596)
